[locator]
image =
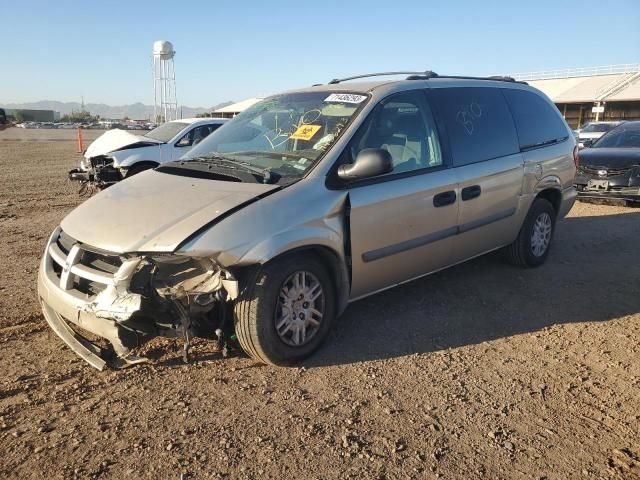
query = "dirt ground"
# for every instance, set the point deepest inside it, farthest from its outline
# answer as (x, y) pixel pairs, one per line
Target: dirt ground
(480, 371)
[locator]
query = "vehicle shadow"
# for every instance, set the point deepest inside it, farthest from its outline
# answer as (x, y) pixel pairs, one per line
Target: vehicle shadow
(590, 276)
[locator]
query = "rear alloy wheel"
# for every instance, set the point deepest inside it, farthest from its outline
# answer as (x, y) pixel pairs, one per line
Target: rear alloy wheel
(286, 310)
(531, 248)
(541, 235)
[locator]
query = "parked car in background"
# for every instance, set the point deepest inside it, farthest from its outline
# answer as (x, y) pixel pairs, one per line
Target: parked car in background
(610, 167)
(304, 202)
(592, 131)
(119, 154)
(4, 123)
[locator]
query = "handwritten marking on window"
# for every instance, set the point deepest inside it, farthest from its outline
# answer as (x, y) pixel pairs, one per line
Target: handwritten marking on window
(279, 135)
(467, 115)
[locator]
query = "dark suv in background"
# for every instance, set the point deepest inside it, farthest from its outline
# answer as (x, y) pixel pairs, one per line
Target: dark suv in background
(4, 123)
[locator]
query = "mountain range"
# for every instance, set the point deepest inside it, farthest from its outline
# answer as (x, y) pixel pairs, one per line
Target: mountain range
(134, 111)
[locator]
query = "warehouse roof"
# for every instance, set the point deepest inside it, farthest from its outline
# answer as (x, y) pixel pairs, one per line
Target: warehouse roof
(613, 83)
(239, 106)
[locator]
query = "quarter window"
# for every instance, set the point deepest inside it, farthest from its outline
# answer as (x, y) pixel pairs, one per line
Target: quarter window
(478, 123)
(403, 125)
(537, 121)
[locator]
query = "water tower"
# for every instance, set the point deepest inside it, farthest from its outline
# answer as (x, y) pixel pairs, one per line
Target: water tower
(165, 105)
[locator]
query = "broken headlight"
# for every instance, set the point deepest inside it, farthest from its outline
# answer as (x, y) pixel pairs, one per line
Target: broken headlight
(176, 277)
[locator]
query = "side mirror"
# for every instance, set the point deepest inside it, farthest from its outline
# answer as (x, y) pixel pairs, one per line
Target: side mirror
(587, 143)
(370, 162)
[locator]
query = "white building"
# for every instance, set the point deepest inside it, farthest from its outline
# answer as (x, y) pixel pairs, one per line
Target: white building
(594, 93)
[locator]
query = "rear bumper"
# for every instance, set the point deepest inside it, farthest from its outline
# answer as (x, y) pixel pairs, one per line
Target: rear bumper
(568, 199)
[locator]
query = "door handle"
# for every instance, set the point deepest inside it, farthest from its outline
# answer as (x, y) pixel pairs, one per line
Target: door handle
(469, 193)
(444, 198)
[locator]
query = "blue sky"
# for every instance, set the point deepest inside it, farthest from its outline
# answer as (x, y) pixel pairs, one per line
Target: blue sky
(60, 50)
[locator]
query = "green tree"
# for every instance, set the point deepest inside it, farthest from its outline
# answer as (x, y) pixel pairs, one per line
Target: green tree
(82, 116)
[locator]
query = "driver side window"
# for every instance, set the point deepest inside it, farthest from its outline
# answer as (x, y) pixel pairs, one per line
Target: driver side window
(195, 136)
(403, 125)
(186, 140)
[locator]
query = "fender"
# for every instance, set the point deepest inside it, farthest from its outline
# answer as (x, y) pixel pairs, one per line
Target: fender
(550, 181)
(284, 242)
(126, 158)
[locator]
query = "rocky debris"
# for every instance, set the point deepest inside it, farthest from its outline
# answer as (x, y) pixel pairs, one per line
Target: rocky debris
(625, 463)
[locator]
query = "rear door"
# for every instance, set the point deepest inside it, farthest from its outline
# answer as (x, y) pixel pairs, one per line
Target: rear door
(487, 164)
(401, 223)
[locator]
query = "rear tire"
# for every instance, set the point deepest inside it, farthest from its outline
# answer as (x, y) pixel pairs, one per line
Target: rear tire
(532, 246)
(277, 319)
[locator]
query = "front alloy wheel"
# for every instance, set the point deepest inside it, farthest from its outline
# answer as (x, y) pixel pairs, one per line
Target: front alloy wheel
(300, 309)
(286, 309)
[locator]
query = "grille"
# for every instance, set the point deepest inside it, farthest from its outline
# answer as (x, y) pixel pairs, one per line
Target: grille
(80, 267)
(611, 172)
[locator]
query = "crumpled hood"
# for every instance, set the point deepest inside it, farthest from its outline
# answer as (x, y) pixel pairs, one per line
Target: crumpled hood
(114, 140)
(154, 211)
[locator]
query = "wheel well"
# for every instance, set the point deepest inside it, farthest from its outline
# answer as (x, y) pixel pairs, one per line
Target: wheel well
(553, 196)
(144, 163)
(336, 268)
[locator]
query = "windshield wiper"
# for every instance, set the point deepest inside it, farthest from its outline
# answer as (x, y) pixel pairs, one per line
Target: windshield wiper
(216, 159)
(274, 154)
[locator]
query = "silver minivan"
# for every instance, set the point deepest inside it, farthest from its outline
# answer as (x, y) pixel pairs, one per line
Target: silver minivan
(303, 203)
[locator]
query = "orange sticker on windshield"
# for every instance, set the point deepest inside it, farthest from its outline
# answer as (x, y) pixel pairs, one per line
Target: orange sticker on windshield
(305, 132)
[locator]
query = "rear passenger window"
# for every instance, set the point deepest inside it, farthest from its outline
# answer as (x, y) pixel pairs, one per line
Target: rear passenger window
(478, 122)
(536, 120)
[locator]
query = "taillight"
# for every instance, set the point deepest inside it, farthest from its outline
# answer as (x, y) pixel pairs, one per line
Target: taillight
(576, 157)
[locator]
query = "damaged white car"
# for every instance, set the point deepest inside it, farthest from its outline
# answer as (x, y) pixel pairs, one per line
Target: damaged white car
(119, 154)
(302, 203)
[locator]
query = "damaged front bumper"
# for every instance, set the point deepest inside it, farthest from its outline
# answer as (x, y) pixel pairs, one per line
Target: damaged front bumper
(127, 300)
(98, 172)
(604, 183)
(629, 194)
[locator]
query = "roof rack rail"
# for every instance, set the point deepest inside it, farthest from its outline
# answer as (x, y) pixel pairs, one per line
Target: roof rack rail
(495, 78)
(426, 75)
(423, 75)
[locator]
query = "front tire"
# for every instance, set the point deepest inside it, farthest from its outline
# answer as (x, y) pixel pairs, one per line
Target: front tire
(531, 248)
(286, 310)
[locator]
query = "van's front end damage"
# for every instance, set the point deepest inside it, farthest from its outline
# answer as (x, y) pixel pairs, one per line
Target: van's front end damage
(128, 299)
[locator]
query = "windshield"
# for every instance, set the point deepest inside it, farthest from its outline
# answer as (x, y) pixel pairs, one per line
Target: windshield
(166, 131)
(285, 134)
(598, 127)
(625, 136)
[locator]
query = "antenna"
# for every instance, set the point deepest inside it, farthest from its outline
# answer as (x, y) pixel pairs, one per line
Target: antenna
(165, 104)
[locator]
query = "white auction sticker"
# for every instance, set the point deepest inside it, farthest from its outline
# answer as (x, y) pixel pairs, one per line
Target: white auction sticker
(345, 98)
